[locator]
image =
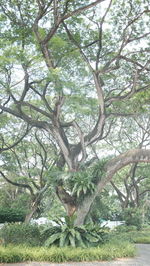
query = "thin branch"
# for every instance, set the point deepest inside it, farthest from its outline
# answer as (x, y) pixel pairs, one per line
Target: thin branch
(81, 137)
(72, 39)
(59, 103)
(26, 83)
(120, 194)
(43, 159)
(81, 9)
(63, 18)
(7, 101)
(37, 109)
(17, 184)
(100, 34)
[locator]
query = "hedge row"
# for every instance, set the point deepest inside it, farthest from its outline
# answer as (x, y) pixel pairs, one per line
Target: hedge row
(11, 254)
(21, 233)
(11, 215)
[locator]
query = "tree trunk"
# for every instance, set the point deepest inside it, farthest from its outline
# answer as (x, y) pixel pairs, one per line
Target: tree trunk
(67, 200)
(83, 210)
(33, 209)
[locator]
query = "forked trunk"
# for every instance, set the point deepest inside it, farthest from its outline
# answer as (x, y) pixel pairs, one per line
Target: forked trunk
(67, 200)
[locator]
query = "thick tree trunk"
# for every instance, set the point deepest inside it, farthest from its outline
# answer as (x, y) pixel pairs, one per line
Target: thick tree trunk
(83, 210)
(67, 200)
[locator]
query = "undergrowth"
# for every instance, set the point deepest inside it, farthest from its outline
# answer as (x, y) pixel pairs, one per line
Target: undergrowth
(141, 237)
(12, 254)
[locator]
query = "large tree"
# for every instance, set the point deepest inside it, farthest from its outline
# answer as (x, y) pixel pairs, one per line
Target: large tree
(72, 68)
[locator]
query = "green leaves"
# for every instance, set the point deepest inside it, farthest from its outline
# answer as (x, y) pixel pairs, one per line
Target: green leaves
(82, 184)
(21, 233)
(52, 239)
(66, 234)
(11, 215)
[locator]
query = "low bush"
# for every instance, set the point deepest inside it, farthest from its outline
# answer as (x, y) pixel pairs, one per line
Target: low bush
(66, 234)
(134, 236)
(11, 254)
(146, 227)
(124, 228)
(142, 240)
(20, 233)
(11, 215)
(133, 217)
(142, 237)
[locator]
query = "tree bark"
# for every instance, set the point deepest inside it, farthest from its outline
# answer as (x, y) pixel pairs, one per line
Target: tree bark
(67, 200)
(30, 214)
(33, 209)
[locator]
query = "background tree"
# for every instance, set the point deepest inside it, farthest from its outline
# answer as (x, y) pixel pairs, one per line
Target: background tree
(28, 167)
(66, 54)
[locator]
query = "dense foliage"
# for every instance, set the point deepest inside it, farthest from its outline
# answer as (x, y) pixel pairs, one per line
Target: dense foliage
(12, 215)
(20, 233)
(66, 234)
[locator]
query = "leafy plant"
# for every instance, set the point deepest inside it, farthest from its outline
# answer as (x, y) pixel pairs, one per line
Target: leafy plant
(124, 228)
(11, 215)
(129, 234)
(66, 234)
(132, 216)
(20, 233)
(82, 184)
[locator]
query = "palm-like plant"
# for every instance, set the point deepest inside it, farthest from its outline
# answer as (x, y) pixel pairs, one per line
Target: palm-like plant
(66, 234)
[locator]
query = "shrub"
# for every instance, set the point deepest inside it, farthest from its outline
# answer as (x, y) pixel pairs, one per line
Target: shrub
(124, 228)
(142, 240)
(11, 254)
(146, 227)
(132, 216)
(134, 236)
(20, 233)
(66, 234)
(11, 215)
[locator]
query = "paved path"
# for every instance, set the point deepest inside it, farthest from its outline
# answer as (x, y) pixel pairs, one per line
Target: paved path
(142, 259)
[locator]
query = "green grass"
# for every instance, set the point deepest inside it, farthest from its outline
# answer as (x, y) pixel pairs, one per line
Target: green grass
(141, 237)
(142, 240)
(110, 251)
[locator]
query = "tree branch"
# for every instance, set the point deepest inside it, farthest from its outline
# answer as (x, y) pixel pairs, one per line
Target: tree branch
(81, 137)
(63, 18)
(17, 184)
(17, 142)
(131, 156)
(81, 9)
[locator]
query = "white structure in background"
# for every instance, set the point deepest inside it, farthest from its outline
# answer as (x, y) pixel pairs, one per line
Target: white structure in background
(41, 220)
(111, 224)
(44, 220)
